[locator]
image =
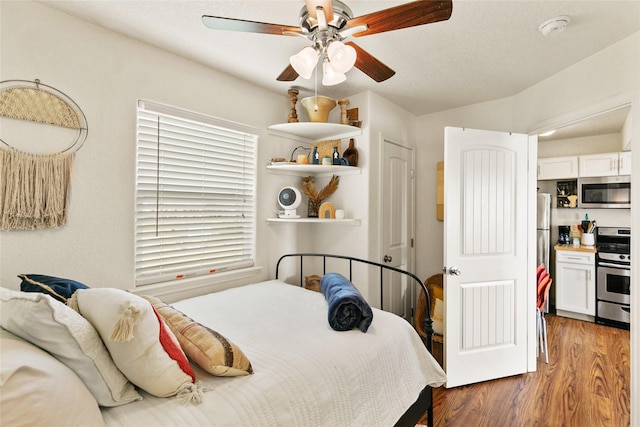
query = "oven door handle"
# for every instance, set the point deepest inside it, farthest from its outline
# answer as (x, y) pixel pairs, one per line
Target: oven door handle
(608, 264)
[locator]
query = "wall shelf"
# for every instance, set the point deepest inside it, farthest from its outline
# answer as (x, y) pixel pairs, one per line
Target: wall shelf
(346, 221)
(317, 170)
(310, 132)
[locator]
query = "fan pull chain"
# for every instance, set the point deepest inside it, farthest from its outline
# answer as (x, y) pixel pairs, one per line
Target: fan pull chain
(315, 98)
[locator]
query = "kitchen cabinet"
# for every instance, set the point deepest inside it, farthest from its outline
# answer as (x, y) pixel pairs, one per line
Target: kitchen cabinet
(590, 165)
(309, 132)
(624, 164)
(575, 282)
(558, 167)
(567, 193)
(605, 164)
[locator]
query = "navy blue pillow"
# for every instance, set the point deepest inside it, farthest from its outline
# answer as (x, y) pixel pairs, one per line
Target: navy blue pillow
(60, 289)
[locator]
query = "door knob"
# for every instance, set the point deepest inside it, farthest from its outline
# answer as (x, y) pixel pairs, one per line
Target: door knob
(453, 271)
(387, 258)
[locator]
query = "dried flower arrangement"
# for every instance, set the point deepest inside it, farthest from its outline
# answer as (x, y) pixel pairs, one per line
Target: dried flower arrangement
(315, 197)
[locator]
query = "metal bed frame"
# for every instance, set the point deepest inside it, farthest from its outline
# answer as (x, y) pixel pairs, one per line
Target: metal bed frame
(424, 402)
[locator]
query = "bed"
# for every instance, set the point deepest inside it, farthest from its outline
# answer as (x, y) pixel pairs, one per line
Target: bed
(304, 373)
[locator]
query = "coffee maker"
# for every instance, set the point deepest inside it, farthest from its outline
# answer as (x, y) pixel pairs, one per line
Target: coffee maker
(564, 234)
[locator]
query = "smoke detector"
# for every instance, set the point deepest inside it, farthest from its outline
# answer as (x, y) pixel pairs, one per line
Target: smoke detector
(554, 25)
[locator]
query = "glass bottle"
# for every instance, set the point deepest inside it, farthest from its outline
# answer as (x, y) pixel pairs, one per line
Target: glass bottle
(336, 156)
(316, 156)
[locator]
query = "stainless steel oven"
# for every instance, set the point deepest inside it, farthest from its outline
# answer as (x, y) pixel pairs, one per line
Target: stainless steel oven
(613, 276)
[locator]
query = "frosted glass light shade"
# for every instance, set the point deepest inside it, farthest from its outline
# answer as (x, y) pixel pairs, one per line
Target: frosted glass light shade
(304, 62)
(342, 56)
(329, 75)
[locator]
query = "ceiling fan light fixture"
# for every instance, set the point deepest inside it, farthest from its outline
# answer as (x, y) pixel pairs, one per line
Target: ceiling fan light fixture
(304, 62)
(342, 56)
(329, 75)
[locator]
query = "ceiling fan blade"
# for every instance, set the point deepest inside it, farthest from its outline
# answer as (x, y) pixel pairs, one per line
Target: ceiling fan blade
(403, 16)
(369, 65)
(288, 74)
(231, 24)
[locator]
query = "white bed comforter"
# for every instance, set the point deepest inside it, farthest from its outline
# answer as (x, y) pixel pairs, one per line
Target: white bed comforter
(306, 374)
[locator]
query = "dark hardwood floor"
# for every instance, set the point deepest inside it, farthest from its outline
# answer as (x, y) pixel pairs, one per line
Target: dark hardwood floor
(586, 383)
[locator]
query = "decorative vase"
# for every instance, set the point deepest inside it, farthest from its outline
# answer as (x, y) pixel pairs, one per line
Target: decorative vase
(313, 209)
(318, 107)
(351, 153)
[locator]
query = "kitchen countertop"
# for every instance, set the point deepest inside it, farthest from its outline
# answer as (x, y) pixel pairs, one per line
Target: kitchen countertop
(581, 248)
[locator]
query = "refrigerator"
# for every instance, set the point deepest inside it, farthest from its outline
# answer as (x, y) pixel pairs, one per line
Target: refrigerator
(543, 225)
(543, 232)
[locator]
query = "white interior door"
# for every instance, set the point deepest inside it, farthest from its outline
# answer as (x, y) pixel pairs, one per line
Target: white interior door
(397, 222)
(486, 248)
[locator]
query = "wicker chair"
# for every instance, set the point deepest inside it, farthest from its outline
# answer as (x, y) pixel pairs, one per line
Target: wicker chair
(434, 286)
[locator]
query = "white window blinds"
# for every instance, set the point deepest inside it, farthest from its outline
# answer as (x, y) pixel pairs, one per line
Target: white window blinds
(195, 194)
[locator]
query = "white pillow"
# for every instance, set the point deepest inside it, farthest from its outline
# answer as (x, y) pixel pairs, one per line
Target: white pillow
(139, 341)
(38, 390)
(56, 328)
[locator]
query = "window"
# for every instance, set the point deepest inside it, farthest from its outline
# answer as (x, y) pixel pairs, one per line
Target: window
(195, 194)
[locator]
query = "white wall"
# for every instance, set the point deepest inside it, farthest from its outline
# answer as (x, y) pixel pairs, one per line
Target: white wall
(577, 146)
(106, 74)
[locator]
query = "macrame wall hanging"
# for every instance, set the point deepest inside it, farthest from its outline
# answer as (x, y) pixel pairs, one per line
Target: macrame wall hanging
(35, 187)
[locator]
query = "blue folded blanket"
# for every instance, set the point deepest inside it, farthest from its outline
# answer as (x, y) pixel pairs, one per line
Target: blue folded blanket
(347, 308)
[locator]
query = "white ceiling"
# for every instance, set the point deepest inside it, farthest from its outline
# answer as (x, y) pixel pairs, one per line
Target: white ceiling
(487, 50)
(610, 122)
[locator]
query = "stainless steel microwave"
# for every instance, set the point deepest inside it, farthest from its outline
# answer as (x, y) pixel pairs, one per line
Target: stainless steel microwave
(605, 192)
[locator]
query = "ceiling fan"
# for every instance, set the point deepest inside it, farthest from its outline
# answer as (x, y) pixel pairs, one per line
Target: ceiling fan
(327, 23)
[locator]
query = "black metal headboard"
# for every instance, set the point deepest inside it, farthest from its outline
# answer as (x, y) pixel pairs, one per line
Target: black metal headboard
(428, 322)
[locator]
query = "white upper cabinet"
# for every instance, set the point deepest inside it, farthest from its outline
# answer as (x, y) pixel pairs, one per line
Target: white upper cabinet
(558, 167)
(591, 165)
(624, 165)
(605, 164)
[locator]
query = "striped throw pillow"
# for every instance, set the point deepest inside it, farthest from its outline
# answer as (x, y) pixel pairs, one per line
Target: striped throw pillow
(207, 348)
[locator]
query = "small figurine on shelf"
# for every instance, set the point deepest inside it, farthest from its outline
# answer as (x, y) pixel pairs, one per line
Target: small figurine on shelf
(343, 110)
(293, 99)
(336, 156)
(315, 157)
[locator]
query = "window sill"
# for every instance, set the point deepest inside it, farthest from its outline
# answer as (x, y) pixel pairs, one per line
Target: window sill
(176, 290)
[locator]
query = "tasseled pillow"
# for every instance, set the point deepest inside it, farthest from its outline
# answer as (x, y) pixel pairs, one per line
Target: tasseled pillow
(140, 343)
